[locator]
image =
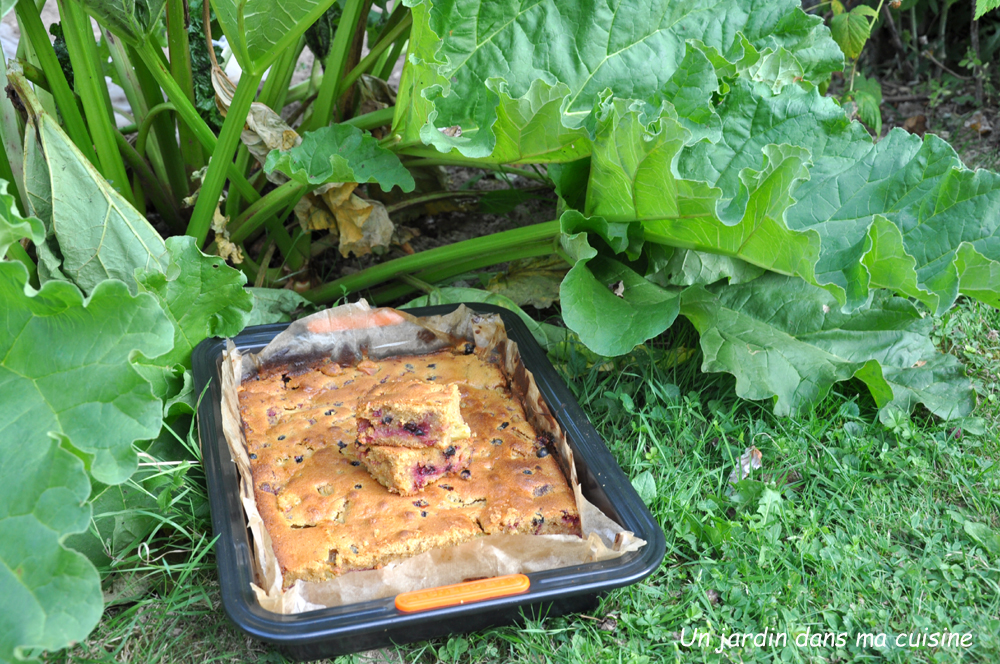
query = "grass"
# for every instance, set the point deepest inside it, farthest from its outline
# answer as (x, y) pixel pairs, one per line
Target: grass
(848, 527)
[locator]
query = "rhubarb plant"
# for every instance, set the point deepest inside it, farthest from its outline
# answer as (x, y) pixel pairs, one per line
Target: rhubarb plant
(699, 171)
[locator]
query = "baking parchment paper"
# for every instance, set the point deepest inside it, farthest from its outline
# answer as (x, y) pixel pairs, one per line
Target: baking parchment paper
(348, 334)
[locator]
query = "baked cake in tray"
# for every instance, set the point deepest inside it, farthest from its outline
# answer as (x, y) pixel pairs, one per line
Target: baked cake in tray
(325, 513)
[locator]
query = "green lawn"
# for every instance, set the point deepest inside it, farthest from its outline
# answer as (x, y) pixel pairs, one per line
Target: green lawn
(849, 527)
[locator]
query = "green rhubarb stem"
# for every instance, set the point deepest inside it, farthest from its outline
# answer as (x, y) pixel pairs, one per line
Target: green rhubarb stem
(272, 95)
(377, 67)
(128, 153)
(473, 163)
(180, 69)
(147, 123)
(334, 65)
(487, 246)
(379, 118)
(275, 88)
(30, 22)
(436, 275)
(7, 174)
(256, 214)
(298, 254)
(284, 240)
(128, 76)
(373, 55)
(438, 195)
(93, 92)
(189, 115)
(26, 54)
(308, 87)
(399, 12)
(234, 200)
(164, 129)
(151, 184)
(222, 157)
(299, 91)
(416, 284)
(431, 157)
(397, 15)
(11, 146)
(390, 62)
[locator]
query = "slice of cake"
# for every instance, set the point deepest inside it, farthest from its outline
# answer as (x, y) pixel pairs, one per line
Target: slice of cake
(412, 413)
(406, 470)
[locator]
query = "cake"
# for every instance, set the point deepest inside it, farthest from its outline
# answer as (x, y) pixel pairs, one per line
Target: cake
(325, 513)
(412, 413)
(406, 470)
(410, 433)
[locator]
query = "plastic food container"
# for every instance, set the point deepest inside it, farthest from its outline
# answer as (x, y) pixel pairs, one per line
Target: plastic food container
(435, 612)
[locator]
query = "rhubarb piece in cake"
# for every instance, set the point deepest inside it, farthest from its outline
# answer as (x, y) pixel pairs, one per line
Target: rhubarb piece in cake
(412, 413)
(406, 470)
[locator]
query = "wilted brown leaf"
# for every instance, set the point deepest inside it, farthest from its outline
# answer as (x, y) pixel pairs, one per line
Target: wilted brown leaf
(916, 124)
(364, 225)
(375, 94)
(750, 460)
(336, 194)
(533, 281)
(978, 123)
(264, 130)
(226, 249)
(313, 214)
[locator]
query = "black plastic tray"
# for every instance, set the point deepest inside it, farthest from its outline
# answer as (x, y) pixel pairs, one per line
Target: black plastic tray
(377, 623)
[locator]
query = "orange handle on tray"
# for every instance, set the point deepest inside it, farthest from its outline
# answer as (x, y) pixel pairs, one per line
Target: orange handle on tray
(462, 593)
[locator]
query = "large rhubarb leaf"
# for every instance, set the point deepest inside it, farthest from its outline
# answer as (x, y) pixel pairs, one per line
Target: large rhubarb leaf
(52, 595)
(38, 191)
(67, 390)
(202, 296)
(753, 117)
(258, 31)
(99, 234)
(469, 53)
(529, 129)
(687, 267)
(902, 214)
(14, 227)
(689, 92)
(131, 20)
(633, 179)
(632, 176)
(276, 305)
(82, 384)
(340, 153)
(787, 340)
(609, 305)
